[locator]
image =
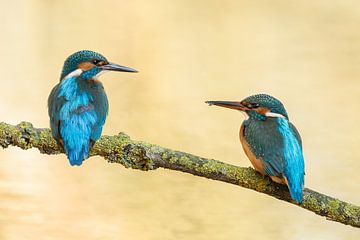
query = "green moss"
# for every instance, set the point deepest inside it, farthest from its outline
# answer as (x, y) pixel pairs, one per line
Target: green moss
(111, 144)
(123, 150)
(155, 150)
(185, 161)
(123, 136)
(145, 156)
(173, 160)
(46, 143)
(3, 135)
(25, 125)
(312, 202)
(333, 204)
(25, 136)
(44, 136)
(213, 166)
(351, 211)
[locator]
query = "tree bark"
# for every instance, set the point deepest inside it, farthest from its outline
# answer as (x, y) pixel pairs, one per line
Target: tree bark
(144, 156)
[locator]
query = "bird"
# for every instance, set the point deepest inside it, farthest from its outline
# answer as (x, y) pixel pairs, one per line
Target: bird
(78, 105)
(270, 141)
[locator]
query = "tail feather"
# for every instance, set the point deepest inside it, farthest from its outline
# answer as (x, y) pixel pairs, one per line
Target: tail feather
(76, 133)
(77, 156)
(296, 188)
(294, 160)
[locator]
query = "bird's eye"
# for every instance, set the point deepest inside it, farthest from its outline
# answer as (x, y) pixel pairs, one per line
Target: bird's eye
(250, 105)
(253, 105)
(95, 61)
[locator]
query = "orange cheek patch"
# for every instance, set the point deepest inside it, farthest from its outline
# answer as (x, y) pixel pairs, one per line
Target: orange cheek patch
(262, 110)
(94, 81)
(84, 66)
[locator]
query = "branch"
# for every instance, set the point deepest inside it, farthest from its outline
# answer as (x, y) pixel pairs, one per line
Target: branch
(144, 156)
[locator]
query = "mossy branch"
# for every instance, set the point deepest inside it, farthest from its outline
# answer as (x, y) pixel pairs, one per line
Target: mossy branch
(144, 156)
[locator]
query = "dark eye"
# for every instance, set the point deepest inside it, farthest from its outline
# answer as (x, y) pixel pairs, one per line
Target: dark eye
(253, 105)
(95, 61)
(250, 105)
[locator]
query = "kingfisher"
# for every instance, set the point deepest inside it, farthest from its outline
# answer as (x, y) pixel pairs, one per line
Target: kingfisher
(270, 141)
(78, 105)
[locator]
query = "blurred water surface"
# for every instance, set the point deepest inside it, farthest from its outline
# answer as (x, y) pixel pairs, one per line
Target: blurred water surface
(304, 52)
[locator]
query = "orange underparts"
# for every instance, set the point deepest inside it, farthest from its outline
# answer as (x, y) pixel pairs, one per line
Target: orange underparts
(257, 163)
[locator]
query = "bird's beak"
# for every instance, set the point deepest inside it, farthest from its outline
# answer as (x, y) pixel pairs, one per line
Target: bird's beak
(116, 67)
(228, 104)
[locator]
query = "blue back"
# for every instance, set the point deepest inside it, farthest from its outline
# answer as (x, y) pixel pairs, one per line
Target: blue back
(77, 110)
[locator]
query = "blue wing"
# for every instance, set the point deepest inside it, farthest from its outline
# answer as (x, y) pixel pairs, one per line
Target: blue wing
(54, 105)
(101, 107)
(266, 143)
(278, 144)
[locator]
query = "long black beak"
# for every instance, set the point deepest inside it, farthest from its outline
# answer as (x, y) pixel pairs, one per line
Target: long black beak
(228, 104)
(116, 67)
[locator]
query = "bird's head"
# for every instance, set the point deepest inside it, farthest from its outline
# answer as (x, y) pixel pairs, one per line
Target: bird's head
(259, 107)
(89, 65)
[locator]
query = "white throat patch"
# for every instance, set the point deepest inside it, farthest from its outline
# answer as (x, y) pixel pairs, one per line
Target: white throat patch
(74, 73)
(99, 74)
(276, 115)
(245, 115)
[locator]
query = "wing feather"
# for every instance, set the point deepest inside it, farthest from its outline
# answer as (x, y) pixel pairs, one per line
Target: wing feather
(54, 105)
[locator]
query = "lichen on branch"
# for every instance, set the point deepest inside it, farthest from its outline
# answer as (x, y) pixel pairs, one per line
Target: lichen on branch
(144, 156)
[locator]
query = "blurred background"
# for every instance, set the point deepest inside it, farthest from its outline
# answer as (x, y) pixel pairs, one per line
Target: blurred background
(306, 53)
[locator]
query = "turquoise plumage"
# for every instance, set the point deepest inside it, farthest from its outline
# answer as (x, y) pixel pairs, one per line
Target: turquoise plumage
(271, 141)
(78, 105)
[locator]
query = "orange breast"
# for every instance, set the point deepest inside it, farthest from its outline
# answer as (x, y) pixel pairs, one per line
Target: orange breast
(257, 163)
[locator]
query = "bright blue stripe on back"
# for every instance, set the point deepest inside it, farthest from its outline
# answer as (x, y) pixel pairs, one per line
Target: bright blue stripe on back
(82, 99)
(76, 123)
(68, 88)
(294, 160)
(76, 131)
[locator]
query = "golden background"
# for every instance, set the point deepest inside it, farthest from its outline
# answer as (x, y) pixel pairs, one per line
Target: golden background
(306, 53)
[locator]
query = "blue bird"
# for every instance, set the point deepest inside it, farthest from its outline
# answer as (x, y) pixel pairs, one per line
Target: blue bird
(78, 106)
(271, 141)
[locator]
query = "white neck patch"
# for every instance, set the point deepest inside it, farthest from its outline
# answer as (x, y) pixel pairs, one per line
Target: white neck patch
(74, 73)
(99, 74)
(276, 115)
(245, 115)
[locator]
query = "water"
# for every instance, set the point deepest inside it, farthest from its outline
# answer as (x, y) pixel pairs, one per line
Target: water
(187, 52)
